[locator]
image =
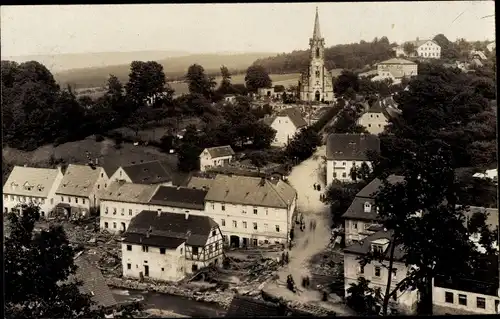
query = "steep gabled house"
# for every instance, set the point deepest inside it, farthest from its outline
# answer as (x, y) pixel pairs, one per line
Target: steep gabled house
(287, 123)
(215, 156)
(168, 246)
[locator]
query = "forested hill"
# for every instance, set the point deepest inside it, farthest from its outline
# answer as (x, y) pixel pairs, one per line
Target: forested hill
(346, 56)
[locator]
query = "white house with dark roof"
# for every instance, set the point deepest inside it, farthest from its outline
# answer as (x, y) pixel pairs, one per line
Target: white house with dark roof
(31, 184)
(168, 246)
(123, 201)
(377, 272)
(344, 151)
(395, 69)
(80, 189)
(152, 173)
(251, 211)
(423, 48)
(215, 156)
(375, 119)
(287, 123)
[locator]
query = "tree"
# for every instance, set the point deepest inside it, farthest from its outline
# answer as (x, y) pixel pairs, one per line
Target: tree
(345, 81)
(362, 298)
(146, 82)
(114, 88)
(339, 196)
(409, 48)
(37, 266)
(413, 210)
(303, 144)
(225, 86)
(199, 83)
(256, 78)
(189, 150)
(258, 158)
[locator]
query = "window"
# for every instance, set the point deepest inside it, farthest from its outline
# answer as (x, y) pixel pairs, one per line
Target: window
(214, 232)
(106, 210)
(317, 74)
(369, 125)
(129, 266)
(377, 271)
(317, 53)
(243, 211)
(361, 269)
(123, 211)
(334, 175)
(462, 300)
(213, 206)
(235, 224)
(344, 174)
(210, 249)
(343, 163)
(102, 174)
(223, 207)
(162, 251)
(83, 200)
(130, 212)
(114, 224)
(244, 224)
(481, 302)
(114, 211)
(277, 228)
(223, 222)
(105, 185)
(355, 225)
(76, 200)
(194, 268)
(145, 249)
(129, 247)
(195, 250)
(216, 246)
(69, 199)
(255, 211)
(62, 198)
(162, 269)
(267, 212)
(120, 173)
(43, 200)
(255, 226)
(105, 224)
(181, 250)
(98, 186)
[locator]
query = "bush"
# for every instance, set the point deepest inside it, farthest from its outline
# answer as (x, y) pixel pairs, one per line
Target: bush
(99, 138)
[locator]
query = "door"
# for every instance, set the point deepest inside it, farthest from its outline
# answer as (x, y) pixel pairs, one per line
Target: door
(317, 96)
(146, 271)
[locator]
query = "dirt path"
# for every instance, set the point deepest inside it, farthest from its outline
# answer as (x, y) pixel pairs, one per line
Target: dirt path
(309, 242)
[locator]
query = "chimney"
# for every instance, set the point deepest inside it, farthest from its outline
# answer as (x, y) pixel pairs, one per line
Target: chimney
(96, 161)
(368, 207)
(187, 215)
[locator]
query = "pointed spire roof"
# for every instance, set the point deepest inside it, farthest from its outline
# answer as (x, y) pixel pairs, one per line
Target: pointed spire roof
(316, 32)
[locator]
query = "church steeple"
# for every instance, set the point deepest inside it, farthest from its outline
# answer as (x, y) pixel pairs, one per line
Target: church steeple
(316, 32)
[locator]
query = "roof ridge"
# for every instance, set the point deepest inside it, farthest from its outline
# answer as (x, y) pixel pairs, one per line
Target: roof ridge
(276, 191)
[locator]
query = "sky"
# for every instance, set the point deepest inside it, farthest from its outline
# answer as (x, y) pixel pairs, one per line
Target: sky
(210, 28)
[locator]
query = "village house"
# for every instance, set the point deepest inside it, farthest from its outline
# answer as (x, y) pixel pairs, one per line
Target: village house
(230, 98)
(251, 211)
(287, 123)
(345, 151)
(31, 185)
(375, 118)
(168, 246)
(428, 49)
(476, 54)
(215, 156)
(269, 93)
(123, 201)
(376, 272)
(152, 173)
(361, 218)
(491, 46)
(395, 69)
(80, 189)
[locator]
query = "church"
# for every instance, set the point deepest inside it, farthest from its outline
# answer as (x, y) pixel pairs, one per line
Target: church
(316, 83)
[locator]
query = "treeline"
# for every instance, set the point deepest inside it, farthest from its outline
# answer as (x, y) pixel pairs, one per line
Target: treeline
(344, 56)
(36, 111)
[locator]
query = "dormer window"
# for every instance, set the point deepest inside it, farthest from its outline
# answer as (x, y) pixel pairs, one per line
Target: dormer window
(376, 248)
(367, 207)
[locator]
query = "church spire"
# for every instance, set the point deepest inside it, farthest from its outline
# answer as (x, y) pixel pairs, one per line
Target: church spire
(316, 32)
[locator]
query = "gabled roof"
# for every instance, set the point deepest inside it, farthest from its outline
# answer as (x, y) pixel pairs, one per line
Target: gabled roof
(169, 229)
(200, 182)
(182, 197)
(364, 246)
(128, 192)
(93, 282)
(41, 181)
(220, 151)
(351, 146)
(252, 191)
(153, 172)
(397, 61)
(294, 115)
(79, 180)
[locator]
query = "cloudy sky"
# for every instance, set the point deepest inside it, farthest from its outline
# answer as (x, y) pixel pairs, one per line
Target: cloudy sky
(203, 28)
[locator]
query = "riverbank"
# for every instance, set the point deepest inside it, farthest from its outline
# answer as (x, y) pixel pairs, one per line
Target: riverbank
(219, 297)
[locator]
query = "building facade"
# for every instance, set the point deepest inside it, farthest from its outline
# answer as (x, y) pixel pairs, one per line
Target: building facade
(396, 69)
(345, 151)
(215, 157)
(428, 49)
(32, 185)
(287, 123)
(168, 246)
(375, 119)
(316, 83)
(251, 211)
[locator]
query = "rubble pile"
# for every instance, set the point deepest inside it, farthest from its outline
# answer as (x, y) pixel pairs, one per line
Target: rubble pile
(218, 296)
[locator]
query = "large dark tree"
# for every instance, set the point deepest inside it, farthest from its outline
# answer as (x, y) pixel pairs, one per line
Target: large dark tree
(303, 145)
(189, 150)
(257, 78)
(225, 86)
(199, 83)
(146, 82)
(345, 81)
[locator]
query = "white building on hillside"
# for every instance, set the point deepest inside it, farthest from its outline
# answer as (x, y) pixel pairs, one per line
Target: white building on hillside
(423, 48)
(287, 123)
(395, 70)
(216, 156)
(168, 246)
(30, 184)
(123, 201)
(80, 189)
(344, 151)
(251, 211)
